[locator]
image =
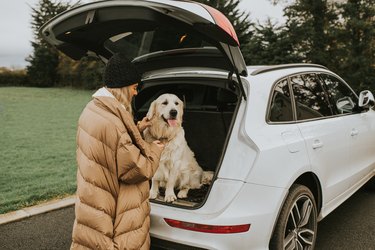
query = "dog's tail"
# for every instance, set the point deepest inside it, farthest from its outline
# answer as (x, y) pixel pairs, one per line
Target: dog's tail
(207, 177)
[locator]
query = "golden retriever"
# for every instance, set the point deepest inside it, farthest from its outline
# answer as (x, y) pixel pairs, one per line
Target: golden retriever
(178, 167)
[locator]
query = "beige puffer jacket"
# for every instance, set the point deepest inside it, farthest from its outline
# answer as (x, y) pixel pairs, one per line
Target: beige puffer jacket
(114, 168)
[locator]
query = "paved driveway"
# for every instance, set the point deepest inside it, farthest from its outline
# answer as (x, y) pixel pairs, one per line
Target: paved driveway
(351, 226)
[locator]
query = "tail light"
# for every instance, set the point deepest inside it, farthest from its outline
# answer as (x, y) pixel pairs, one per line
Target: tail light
(215, 229)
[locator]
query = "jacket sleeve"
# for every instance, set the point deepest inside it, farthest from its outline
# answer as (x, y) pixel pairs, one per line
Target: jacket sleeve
(133, 166)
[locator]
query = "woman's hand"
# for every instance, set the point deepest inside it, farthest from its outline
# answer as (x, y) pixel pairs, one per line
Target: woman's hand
(159, 144)
(142, 125)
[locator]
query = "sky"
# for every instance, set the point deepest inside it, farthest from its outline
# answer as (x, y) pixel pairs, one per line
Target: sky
(16, 32)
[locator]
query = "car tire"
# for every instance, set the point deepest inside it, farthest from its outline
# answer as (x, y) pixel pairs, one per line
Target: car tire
(297, 224)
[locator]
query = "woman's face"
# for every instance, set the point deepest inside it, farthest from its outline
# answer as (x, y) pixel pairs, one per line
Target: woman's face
(133, 90)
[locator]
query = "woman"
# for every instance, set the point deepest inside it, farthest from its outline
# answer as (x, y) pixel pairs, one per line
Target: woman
(114, 166)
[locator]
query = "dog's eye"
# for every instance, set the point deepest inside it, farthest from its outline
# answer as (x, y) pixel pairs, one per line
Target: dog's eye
(165, 103)
(176, 103)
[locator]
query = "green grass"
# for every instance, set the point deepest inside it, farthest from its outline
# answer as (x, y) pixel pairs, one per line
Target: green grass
(37, 144)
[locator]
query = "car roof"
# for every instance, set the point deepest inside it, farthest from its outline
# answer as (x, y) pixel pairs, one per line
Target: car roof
(260, 69)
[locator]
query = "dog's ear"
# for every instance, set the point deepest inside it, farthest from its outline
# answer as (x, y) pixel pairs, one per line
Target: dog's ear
(151, 110)
(181, 111)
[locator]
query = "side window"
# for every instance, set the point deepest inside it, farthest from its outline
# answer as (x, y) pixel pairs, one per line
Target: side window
(310, 98)
(281, 105)
(343, 99)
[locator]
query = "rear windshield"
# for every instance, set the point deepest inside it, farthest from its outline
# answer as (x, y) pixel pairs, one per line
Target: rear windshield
(162, 38)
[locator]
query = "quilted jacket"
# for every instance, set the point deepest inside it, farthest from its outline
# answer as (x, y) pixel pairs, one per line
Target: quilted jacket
(114, 168)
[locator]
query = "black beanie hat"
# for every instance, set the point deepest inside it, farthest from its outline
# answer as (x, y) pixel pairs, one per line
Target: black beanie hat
(120, 72)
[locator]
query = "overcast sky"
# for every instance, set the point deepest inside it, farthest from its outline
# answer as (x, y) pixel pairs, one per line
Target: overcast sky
(16, 33)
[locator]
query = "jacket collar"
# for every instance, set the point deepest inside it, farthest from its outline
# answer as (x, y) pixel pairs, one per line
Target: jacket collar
(103, 92)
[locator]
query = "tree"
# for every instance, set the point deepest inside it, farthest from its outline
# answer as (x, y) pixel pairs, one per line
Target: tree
(45, 58)
(358, 42)
(270, 44)
(85, 73)
(310, 24)
(42, 69)
(337, 34)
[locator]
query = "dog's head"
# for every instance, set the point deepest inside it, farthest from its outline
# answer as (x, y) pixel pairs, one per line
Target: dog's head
(168, 109)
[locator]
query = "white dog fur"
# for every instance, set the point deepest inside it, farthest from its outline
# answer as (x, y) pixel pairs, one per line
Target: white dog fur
(178, 167)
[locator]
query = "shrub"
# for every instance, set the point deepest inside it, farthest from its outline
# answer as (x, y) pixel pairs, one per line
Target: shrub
(10, 77)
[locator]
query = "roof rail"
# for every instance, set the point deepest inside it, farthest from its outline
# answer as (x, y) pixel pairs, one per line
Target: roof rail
(285, 66)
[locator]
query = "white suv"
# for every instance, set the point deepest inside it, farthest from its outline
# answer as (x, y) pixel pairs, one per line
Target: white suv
(288, 143)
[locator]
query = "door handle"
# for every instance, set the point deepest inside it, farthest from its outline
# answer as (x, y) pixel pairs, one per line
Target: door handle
(317, 144)
(354, 132)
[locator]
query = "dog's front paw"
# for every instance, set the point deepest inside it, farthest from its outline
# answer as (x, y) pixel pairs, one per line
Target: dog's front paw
(153, 194)
(207, 177)
(170, 197)
(183, 193)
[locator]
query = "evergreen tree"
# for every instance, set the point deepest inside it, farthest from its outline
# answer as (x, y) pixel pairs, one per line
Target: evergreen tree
(269, 45)
(44, 60)
(358, 42)
(310, 24)
(337, 34)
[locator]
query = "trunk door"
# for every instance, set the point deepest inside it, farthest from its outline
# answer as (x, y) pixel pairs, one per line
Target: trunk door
(148, 30)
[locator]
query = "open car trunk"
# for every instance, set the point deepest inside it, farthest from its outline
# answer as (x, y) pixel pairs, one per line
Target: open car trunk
(210, 105)
(177, 45)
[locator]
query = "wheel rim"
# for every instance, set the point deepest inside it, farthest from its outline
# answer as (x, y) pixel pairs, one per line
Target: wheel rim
(300, 228)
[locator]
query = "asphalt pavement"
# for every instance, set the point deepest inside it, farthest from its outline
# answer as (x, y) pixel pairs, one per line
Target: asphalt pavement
(351, 226)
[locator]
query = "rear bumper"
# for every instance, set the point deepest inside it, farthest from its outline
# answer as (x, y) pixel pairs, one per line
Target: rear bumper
(249, 204)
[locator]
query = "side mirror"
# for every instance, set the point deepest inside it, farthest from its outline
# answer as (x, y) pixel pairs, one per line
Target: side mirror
(366, 99)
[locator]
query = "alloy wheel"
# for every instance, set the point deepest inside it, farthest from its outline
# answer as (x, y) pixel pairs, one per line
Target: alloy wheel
(301, 225)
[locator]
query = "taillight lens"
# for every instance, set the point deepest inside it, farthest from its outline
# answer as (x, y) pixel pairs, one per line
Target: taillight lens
(215, 229)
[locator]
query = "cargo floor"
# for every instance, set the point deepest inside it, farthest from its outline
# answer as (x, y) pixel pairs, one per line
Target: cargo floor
(194, 198)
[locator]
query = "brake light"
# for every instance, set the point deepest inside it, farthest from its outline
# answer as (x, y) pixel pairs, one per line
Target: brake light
(215, 229)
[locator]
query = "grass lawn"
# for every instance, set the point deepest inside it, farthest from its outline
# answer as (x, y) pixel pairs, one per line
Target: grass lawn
(37, 144)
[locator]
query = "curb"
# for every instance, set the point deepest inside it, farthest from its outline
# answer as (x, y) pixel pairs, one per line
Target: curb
(37, 209)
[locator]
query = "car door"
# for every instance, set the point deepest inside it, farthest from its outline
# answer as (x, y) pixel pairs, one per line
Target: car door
(326, 136)
(359, 128)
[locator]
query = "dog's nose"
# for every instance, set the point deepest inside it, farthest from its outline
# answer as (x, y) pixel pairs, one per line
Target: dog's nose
(173, 113)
